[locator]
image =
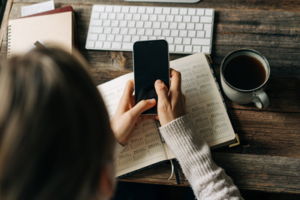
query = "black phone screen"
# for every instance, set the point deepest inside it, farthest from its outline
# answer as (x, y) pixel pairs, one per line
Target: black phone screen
(151, 62)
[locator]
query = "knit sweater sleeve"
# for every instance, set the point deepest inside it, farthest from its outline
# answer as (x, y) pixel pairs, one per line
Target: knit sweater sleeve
(208, 180)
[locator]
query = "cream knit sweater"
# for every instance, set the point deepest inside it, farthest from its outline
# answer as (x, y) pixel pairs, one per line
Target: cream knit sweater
(208, 180)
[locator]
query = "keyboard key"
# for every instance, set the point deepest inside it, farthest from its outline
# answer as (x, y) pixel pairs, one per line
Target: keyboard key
(131, 24)
(116, 45)
(190, 26)
(141, 10)
(165, 25)
(186, 40)
(132, 31)
(192, 34)
(115, 23)
(128, 16)
(200, 34)
(127, 38)
(110, 37)
(144, 38)
(90, 44)
(166, 11)
(157, 32)
(208, 28)
(107, 30)
(161, 18)
(92, 36)
(205, 49)
(158, 10)
(133, 9)
(209, 12)
(200, 11)
(166, 32)
(116, 30)
(103, 16)
(174, 33)
(112, 16)
(152, 38)
(188, 48)
(156, 24)
(99, 8)
(149, 31)
(125, 9)
(199, 26)
(170, 40)
(181, 25)
(108, 9)
(171, 48)
(98, 45)
(178, 18)
(96, 23)
(127, 46)
(196, 41)
(187, 19)
(102, 37)
(153, 18)
(150, 10)
(179, 48)
(178, 40)
(119, 38)
(192, 11)
(141, 31)
(95, 16)
(145, 17)
(206, 20)
(135, 38)
(197, 49)
(148, 25)
(117, 9)
(106, 23)
(195, 19)
(173, 25)
(123, 23)
(136, 17)
(183, 33)
(139, 24)
(124, 31)
(160, 38)
(106, 45)
(170, 18)
(96, 29)
(120, 16)
(183, 11)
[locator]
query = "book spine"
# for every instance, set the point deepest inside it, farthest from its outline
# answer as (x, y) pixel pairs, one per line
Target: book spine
(8, 40)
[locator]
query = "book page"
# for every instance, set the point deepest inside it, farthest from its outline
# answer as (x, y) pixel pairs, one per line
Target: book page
(204, 102)
(144, 147)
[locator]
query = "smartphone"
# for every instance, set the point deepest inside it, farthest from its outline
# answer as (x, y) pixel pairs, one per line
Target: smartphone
(150, 62)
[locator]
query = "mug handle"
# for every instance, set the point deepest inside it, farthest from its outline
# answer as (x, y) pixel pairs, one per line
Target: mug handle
(261, 99)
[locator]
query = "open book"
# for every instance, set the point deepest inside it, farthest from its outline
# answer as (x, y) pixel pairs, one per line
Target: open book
(205, 107)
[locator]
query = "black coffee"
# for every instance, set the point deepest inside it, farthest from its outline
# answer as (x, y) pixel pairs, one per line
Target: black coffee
(245, 72)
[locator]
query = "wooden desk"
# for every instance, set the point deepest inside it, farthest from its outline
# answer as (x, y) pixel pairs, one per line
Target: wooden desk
(268, 158)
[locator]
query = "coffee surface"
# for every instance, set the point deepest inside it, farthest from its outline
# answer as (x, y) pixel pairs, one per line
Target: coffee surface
(245, 72)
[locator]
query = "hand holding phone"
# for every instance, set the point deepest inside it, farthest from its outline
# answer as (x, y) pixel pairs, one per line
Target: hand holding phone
(150, 63)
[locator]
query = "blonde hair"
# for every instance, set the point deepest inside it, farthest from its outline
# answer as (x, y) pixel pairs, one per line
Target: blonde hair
(55, 135)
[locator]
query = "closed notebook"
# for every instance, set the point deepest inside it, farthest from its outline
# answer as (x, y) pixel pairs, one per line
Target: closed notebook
(54, 29)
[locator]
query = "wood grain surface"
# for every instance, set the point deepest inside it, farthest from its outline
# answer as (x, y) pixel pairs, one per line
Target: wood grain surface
(268, 158)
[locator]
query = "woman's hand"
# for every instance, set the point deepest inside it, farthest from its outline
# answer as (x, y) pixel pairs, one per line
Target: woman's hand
(170, 105)
(128, 116)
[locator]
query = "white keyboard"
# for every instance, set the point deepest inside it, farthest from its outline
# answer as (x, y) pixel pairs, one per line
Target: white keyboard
(116, 28)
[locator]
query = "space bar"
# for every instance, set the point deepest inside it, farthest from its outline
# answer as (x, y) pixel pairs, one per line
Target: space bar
(196, 41)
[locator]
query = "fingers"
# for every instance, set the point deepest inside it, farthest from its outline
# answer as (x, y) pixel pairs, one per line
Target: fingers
(162, 92)
(175, 81)
(142, 106)
(128, 91)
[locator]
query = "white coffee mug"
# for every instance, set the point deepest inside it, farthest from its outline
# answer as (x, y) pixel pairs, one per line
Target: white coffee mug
(256, 95)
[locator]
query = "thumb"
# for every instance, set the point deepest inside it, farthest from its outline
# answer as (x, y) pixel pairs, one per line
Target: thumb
(162, 92)
(142, 106)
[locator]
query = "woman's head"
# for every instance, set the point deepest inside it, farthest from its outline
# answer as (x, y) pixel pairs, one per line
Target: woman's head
(55, 136)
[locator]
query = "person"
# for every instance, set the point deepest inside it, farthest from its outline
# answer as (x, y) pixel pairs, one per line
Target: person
(56, 140)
